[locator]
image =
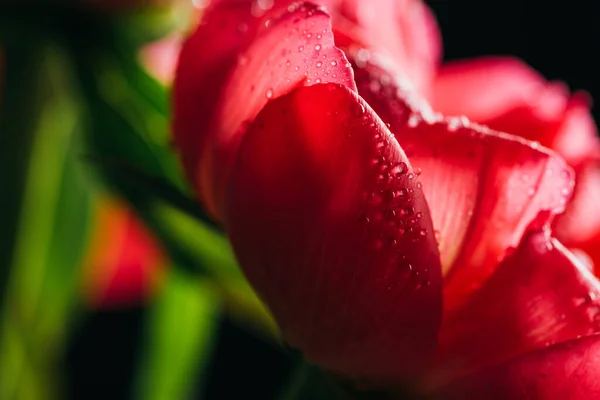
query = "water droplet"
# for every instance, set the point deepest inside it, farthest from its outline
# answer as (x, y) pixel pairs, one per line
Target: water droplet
(333, 63)
(419, 185)
(288, 63)
(308, 35)
(364, 219)
(402, 192)
(357, 110)
(318, 80)
(389, 195)
(269, 93)
(300, 49)
(423, 232)
(296, 68)
(317, 47)
(417, 171)
(319, 64)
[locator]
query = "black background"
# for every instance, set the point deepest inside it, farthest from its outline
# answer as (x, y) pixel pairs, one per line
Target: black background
(561, 39)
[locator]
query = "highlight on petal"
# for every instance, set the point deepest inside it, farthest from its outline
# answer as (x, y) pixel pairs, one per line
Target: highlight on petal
(483, 187)
(235, 63)
(539, 295)
(329, 223)
(567, 370)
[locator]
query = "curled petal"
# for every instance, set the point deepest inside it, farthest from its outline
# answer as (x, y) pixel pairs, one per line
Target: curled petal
(237, 60)
(564, 371)
(539, 295)
(330, 226)
(483, 187)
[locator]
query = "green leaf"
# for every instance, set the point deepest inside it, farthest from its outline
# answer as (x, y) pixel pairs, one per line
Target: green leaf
(45, 209)
(181, 329)
(130, 146)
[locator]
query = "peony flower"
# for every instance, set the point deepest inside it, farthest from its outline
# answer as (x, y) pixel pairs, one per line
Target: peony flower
(124, 264)
(394, 246)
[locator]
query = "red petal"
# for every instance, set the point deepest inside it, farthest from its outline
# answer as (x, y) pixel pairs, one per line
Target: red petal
(483, 187)
(405, 30)
(507, 95)
(123, 263)
(564, 371)
(579, 226)
(576, 139)
(331, 227)
(539, 295)
(231, 67)
(484, 88)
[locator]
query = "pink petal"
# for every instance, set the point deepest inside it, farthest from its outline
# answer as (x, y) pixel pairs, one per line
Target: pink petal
(405, 30)
(579, 226)
(483, 187)
(539, 295)
(507, 95)
(330, 226)
(576, 139)
(160, 57)
(564, 371)
(238, 59)
(484, 88)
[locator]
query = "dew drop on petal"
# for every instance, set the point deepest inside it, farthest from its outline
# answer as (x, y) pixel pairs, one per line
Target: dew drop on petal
(357, 110)
(269, 93)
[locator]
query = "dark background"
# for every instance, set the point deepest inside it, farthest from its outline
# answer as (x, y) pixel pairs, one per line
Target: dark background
(559, 39)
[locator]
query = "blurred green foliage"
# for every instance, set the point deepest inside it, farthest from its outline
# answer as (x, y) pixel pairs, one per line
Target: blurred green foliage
(79, 116)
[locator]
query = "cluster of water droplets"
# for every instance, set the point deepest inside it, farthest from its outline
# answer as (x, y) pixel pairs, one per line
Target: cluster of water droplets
(390, 219)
